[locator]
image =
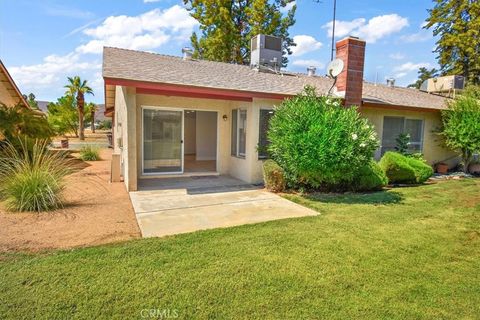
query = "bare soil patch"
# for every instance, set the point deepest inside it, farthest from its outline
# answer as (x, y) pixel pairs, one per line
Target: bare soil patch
(96, 212)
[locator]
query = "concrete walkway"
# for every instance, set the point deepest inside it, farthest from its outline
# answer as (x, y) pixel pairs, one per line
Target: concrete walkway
(179, 205)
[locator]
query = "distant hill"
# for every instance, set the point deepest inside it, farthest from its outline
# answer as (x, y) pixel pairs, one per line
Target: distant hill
(99, 116)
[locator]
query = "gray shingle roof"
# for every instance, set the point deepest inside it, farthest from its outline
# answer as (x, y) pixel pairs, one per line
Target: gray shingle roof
(152, 67)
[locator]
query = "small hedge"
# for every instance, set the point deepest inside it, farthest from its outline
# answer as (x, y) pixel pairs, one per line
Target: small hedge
(274, 176)
(369, 178)
(402, 169)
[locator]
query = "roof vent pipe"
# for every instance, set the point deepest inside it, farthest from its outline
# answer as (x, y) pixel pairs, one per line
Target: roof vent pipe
(187, 53)
(311, 71)
(391, 82)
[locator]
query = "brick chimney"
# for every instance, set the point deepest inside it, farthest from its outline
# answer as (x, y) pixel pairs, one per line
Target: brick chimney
(350, 82)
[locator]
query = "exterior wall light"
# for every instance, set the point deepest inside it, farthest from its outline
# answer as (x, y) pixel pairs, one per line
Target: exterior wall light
(225, 117)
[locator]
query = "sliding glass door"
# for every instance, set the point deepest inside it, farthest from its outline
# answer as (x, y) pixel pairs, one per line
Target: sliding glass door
(162, 141)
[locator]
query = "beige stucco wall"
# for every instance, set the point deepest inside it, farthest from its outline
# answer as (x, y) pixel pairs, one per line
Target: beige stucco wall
(124, 132)
(433, 148)
(226, 164)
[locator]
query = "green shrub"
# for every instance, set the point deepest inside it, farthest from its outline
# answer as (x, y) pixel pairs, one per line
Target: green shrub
(402, 169)
(318, 142)
(32, 180)
(90, 153)
(369, 178)
(273, 176)
(422, 170)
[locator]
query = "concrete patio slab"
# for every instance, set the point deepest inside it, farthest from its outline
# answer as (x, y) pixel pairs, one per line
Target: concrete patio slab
(187, 204)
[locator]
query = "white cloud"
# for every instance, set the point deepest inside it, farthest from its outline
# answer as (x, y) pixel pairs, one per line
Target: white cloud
(304, 44)
(143, 32)
(375, 29)
(146, 31)
(53, 69)
(404, 69)
(308, 63)
(397, 56)
(343, 28)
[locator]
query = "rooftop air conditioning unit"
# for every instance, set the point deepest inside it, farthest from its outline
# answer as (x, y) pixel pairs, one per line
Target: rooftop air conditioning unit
(266, 51)
(443, 84)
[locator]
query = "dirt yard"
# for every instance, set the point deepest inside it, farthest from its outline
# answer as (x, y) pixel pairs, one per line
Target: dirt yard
(95, 212)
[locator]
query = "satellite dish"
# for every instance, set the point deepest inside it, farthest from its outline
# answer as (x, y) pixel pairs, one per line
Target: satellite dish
(334, 68)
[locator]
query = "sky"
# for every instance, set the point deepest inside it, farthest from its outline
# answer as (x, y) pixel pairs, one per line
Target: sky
(44, 42)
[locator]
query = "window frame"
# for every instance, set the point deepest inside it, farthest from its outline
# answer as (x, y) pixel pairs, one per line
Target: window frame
(420, 143)
(235, 133)
(270, 111)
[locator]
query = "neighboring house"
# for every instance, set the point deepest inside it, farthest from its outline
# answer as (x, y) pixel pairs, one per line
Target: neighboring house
(174, 116)
(10, 95)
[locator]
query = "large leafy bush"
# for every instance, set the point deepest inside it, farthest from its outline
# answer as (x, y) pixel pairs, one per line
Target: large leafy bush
(403, 169)
(318, 142)
(461, 122)
(370, 177)
(20, 123)
(32, 180)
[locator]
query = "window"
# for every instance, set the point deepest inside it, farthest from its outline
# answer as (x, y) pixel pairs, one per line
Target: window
(239, 132)
(265, 116)
(394, 126)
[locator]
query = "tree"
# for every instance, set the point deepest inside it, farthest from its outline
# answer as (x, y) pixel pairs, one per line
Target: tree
(424, 74)
(227, 27)
(31, 100)
(78, 88)
(90, 109)
(63, 115)
(457, 23)
(461, 125)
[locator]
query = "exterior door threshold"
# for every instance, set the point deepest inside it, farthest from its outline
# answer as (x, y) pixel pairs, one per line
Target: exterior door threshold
(182, 175)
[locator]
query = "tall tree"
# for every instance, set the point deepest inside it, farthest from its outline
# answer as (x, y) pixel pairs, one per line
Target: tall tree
(457, 23)
(91, 108)
(77, 88)
(227, 27)
(63, 116)
(424, 74)
(31, 99)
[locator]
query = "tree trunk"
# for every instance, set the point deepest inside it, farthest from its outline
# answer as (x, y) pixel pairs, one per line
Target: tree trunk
(93, 121)
(467, 159)
(81, 126)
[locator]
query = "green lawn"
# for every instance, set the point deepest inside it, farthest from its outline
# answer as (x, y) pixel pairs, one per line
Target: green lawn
(409, 253)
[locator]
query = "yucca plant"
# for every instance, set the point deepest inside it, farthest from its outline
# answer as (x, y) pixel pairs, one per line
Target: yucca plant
(90, 153)
(32, 178)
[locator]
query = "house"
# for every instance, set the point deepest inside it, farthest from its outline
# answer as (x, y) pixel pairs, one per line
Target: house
(177, 116)
(10, 95)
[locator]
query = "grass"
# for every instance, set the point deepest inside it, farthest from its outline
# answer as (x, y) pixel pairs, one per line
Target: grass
(90, 153)
(32, 180)
(407, 253)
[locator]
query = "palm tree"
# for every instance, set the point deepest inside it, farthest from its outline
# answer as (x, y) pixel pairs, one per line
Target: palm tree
(93, 108)
(78, 88)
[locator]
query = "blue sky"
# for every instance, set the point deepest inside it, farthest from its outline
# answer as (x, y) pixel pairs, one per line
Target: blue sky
(43, 42)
